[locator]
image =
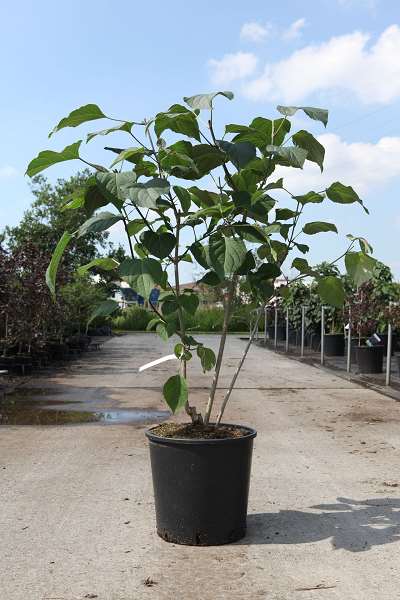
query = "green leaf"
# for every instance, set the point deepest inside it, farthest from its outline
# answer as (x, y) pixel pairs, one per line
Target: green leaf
(284, 214)
(103, 310)
(89, 112)
(115, 186)
(210, 278)
(365, 246)
(152, 323)
(207, 158)
(178, 119)
(189, 302)
(135, 226)
(106, 264)
(51, 272)
(204, 101)
(261, 132)
(226, 255)
(46, 158)
(204, 198)
(99, 222)
(240, 154)
(207, 358)
(359, 266)
(318, 227)
(184, 197)
(303, 248)
(274, 185)
(312, 197)
(318, 114)
(181, 353)
(251, 233)
(133, 155)
(302, 266)
(331, 291)
(127, 126)
(175, 392)
(142, 274)
(315, 150)
(200, 254)
(162, 331)
(74, 203)
(158, 244)
(289, 156)
(146, 194)
(343, 194)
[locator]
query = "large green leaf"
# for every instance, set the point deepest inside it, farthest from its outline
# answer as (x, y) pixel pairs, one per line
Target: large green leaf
(115, 186)
(310, 197)
(359, 266)
(104, 309)
(105, 264)
(204, 101)
(134, 226)
(200, 254)
(315, 150)
(226, 255)
(189, 302)
(331, 290)
(289, 156)
(207, 158)
(184, 197)
(127, 127)
(343, 194)
(205, 198)
(301, 264)
(365, 246)
(175, 392)
(89, 112)
(240, 153)
(97, 223)
(210, 278)
(46, 158)
(142, 274)
(51, 272)
(261, 132)
(158, 244)
(318, 227)
(318, 114)
(146, 194)
(207, 358)
(133, 155)
(178, 119)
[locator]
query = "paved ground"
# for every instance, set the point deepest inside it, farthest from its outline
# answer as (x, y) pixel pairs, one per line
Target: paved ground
(76, 516)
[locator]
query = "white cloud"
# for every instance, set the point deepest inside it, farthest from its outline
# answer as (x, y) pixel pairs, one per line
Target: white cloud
(232, 67)
(255, 32)
(295, 30)
(365, 166)
(345, 62)
(7, 171)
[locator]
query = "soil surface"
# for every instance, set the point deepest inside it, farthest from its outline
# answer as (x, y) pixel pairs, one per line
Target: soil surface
(198, 432)
(77, 510)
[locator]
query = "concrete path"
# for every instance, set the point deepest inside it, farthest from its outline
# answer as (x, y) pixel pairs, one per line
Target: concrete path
(76, 513)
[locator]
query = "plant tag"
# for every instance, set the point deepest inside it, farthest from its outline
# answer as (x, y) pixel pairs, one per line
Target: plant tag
(157, 362)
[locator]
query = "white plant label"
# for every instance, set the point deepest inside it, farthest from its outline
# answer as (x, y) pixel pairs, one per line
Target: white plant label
(157, 362)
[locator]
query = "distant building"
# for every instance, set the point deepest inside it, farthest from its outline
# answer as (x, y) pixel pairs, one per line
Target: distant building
(126, 296)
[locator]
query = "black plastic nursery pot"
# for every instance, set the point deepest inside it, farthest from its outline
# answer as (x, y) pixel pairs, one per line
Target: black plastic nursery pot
(201, 487)
(369, 359)
(334, 344)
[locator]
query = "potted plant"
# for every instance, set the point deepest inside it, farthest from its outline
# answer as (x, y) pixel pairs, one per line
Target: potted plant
(364, 311)
(212, 200)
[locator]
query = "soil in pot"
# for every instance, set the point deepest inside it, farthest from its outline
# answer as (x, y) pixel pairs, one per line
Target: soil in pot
(369, 359)
(334, 344)
(201, 480)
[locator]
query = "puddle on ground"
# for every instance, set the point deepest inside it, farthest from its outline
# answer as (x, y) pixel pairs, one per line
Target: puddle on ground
(26, 409)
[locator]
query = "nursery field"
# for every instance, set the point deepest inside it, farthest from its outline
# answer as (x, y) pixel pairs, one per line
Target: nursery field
(77, 512)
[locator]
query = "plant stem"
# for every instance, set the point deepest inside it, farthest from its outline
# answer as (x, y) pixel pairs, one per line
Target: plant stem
(190, 410)
(227, 314)
(239, 367)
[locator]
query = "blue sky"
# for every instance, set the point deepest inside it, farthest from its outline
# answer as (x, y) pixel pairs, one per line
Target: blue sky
(138, 58)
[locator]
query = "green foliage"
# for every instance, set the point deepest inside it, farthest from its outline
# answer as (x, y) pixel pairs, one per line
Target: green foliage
(231, 231)
(81, 298)
(133, 318)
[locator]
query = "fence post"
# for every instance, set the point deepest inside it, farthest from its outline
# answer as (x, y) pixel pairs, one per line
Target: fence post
(303, 326)
(322, 334)
(276, 329)
(257, 323)
(287, 331)
(349, 342)
(389, 354)
(265, 324)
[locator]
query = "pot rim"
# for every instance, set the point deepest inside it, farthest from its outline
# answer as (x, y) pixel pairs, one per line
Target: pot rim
(199, 441)
(365, 347)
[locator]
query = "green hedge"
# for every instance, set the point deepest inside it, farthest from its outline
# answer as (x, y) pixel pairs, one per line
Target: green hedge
(210, 320)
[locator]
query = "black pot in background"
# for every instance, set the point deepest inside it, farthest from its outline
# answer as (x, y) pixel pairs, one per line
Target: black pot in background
(384, 339)
(281, 332)
(369, 359)
(334, 344)
(398, 363)
(201, 488)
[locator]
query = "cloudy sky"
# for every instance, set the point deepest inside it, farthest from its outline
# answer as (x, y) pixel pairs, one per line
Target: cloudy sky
(138, 58)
